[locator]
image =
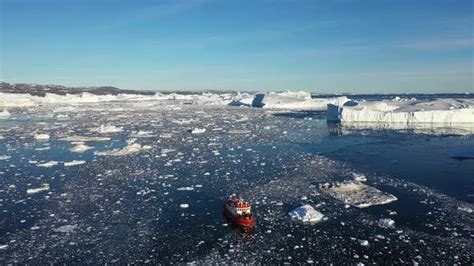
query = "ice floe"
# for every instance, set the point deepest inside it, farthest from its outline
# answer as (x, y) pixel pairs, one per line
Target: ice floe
(4, 157)
(80, 148)
(386, 223)
(42, 137)
(4, 114)
(65, 228)
(358, 194)
(127, 150)
(103, 129)
(48, 164)
(74, 163)
(306, 214)
(85, 138)
(44, 187)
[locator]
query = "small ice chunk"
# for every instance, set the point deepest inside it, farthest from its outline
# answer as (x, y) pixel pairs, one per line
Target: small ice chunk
(198, 130)
(4, 114)
(363, 242)
(184, 205)
(306, 214)
(41, 137)
(65, 228)
(80, 148)
(44, 187)
(48, 164)
(74, 163)
(359, 177)
(4, 157)
(3, 247)
(185, 189)
(107, 129)
(386, 223)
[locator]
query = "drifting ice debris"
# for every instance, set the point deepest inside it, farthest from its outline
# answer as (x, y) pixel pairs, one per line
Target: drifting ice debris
(2, 247)
(363, 242)
(197, 130)
(358, 194)
(185, 189)
(386, 223)
(48, 164)
(465, 209)
(463, 153)
(74, 163)
(42, 137)
(107, 129)
(4, 157)
(80, 148)
(4, 114)
(85, 138)
(359, 177)
(129, 149)
(306, 214)
(184, 206)
(37, 190)
(65, 228)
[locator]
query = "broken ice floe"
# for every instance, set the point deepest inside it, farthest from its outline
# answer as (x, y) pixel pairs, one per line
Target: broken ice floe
(129, 149)
(48, 164)
(358, 194)
(4, 157)
(41, 137)
(85, 138)
(74, 163)
(386, 223)
(65, 228)
(103, 129)
(80, 148)
(44, 187)
(306, 214)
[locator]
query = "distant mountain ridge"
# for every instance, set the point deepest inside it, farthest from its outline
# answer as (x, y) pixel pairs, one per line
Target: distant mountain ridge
(41, 90)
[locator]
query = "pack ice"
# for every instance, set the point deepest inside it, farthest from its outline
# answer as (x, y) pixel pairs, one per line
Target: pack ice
(404, 111)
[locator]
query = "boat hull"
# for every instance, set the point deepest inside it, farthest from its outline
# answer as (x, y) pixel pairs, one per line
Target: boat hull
(244, 222)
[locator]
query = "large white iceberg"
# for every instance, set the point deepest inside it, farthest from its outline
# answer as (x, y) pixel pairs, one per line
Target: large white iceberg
(289, 101)
(306, 214)
(404, 111)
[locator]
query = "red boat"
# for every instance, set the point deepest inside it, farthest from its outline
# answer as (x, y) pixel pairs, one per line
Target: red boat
(239, 212)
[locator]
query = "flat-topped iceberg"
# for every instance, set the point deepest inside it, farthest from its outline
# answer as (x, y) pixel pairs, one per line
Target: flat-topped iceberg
(289, 101)
(404, 111)
(306, 214)
(358, 194)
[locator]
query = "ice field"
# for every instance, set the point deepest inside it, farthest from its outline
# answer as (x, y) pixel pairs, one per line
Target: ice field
(144, 181)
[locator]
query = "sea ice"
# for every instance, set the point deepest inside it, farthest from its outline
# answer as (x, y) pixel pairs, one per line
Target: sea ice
(385, 223)
(4, 157)
(41, 137)
(359, 194)
(198, 130)
(48, 164)
(184, 205)
(44, 187)
(80, 148)
(85, 138)
(4, 114)
(107, 129)
(74, 163)
(306, 214)
(65, 228)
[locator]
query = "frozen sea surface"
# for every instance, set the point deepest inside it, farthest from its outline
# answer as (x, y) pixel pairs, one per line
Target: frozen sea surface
(152, 192)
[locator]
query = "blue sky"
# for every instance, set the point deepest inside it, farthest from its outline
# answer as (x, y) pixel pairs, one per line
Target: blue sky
(321, 46)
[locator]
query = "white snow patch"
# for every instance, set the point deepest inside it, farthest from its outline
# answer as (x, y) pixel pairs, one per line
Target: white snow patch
(129, 149)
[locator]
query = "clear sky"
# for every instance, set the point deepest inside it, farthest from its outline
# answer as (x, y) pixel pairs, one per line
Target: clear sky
(320, 46)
